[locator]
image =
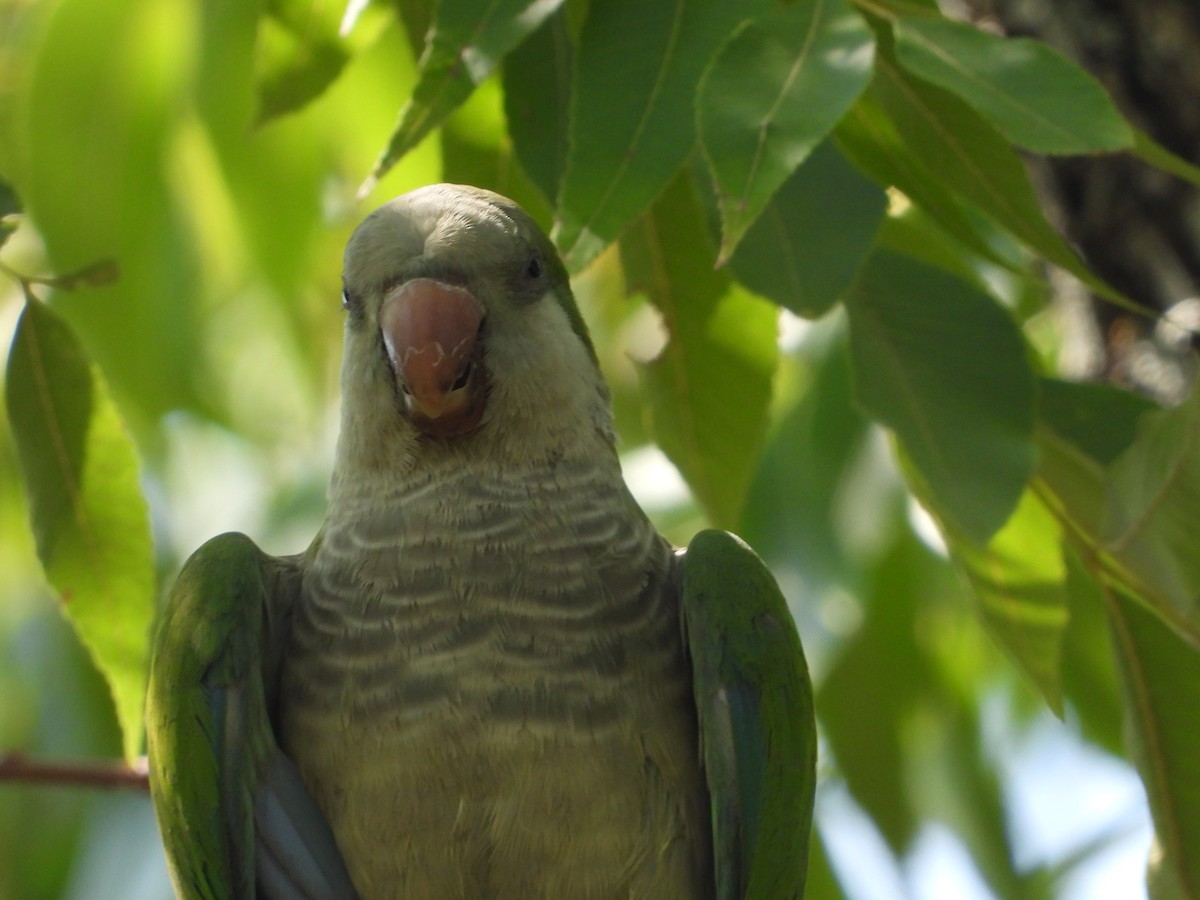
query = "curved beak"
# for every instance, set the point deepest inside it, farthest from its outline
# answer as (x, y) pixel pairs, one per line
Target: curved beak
(431, 334)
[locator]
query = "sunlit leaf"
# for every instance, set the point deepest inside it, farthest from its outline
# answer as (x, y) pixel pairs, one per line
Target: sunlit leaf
(805, 248)
(946, 368)
(1033, 94)
(709, 389)
(771, 95)
(88, 515)
(944, 141)
(96, 186)
(1019, 580)
(1153, 515)
(1161, 676)
(464, 45)
(637, 68)
(300, 51)
(880, 669)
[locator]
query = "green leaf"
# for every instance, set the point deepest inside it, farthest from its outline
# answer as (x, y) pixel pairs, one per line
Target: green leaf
(944, 141)
(1019, 579)
(637, 69)
(464, 46)
(871, 141)
(88, 515)
(946, 368)
(1033, 94)
(880, 668)
(709, 389)
(1153, 515)
(10, 210)
(537, 94)
(1161, 677)
(1154, 153)
(1099, 419)
(772, 93)
(299, 53)
(806, 247)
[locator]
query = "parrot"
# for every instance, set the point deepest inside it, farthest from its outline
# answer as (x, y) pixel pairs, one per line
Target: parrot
(489, 676)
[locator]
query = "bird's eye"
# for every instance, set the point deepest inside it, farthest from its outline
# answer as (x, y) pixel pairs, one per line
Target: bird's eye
(345, 298)
(534, 268)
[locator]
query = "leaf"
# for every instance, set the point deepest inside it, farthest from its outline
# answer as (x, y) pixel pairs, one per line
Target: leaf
(299, 53)
(1154, 153)
(1019, 579)
(945, 141)
(537, 94)
(1153, 513)
(1161, 678)
(946, 368)
(880, 668)
(462, 48)
(88, 515)
(10, 210)
(806, 247)
(1033, 94)
(773, 92)
(709, 389)
(1099, 419)
(637, 68)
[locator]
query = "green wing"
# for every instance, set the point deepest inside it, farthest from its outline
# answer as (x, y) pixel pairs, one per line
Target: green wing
(232, 809)
(757, 724)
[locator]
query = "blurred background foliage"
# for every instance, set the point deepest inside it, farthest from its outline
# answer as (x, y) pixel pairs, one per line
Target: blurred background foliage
(993, 570)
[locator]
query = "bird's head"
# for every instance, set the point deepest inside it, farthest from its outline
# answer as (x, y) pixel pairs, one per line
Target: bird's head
(461, 331)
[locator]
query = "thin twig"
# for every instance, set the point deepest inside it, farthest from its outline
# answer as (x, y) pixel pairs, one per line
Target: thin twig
(19, 768)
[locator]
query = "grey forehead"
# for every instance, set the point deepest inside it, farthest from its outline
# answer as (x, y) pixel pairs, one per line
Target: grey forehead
(432, 222)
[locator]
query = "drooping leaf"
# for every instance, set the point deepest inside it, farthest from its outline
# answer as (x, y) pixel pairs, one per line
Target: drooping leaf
(946, 142)
(1099, 419)
(637, 68)
(537, 94)
(773, 93)
(1019, 580)
(1153, 514)
(1161, 678)
(880, 668)
(1033, 94)
(300, 51)
(805, 248)
(89, 518)
(97, 186)
(464, 45)
(946, 368)
(709, 389)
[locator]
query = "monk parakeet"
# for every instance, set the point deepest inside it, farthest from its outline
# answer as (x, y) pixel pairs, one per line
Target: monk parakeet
(488, 676)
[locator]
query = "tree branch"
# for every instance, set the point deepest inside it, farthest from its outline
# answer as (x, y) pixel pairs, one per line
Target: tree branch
(17, 767)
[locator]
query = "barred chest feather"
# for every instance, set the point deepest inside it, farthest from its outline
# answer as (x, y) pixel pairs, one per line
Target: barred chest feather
(487, 693)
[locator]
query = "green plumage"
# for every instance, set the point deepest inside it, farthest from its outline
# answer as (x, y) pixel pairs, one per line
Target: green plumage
(488, 676)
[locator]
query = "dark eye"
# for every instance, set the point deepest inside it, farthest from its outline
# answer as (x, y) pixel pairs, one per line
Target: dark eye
(345, 299)
(534, 268)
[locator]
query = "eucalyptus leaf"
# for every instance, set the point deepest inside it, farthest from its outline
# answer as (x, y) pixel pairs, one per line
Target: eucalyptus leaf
(773, 92)
(1033, 94)
(89, 517)
(637, 69)
(464, 45)
(946, 368)
(805, 248)
(709, 389)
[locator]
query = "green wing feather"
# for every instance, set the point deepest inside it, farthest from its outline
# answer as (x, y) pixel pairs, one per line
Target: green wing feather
(232, 809)
(757, 724)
